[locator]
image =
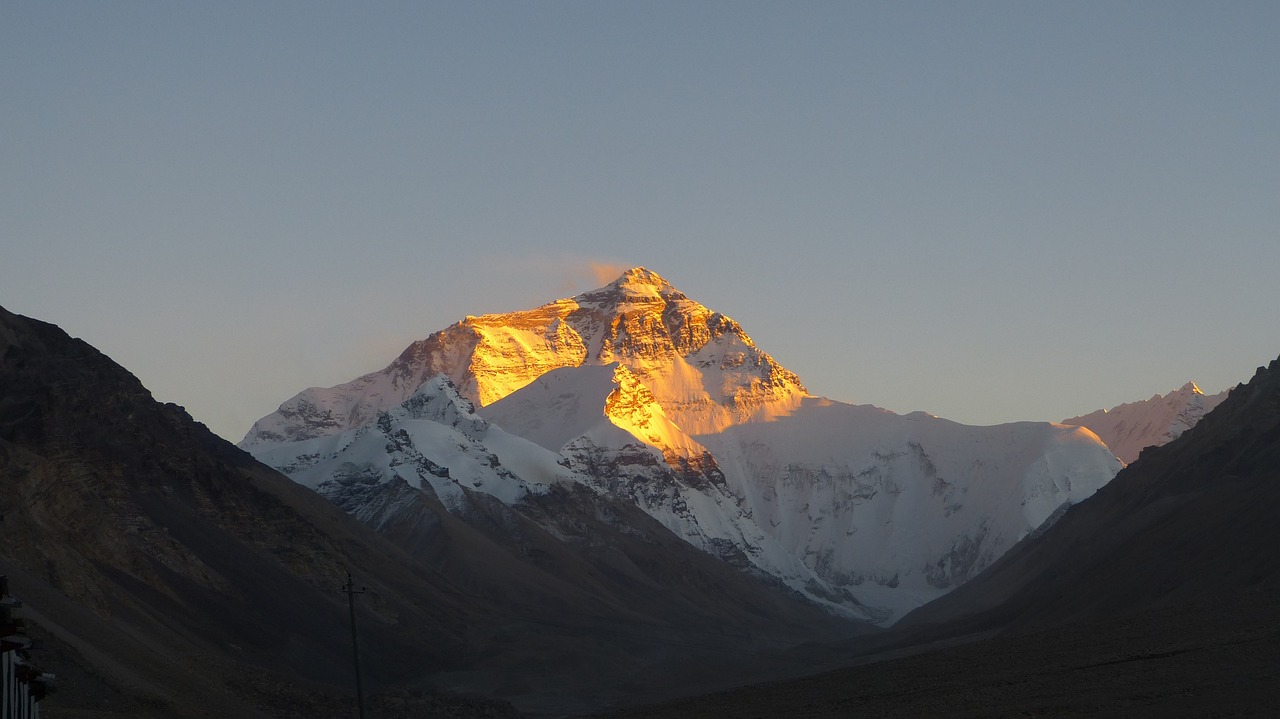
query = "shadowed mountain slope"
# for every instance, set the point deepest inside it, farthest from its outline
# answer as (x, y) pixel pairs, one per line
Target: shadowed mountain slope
(1193, 520)
(1155, 597)
(169, 574)
(647, 397)
(190, 577)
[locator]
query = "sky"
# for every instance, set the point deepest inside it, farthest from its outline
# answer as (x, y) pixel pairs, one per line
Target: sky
(990, 211)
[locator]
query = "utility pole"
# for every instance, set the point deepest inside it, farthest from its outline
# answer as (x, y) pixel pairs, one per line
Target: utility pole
(351, 590)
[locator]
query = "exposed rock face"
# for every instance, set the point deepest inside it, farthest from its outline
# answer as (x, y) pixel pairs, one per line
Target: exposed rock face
(702, 369)
(191, 580)
(1132, 427)
(1155, 597)
(640, 394)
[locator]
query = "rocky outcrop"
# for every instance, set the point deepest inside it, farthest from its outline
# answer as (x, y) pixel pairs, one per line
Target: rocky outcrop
(703, 370)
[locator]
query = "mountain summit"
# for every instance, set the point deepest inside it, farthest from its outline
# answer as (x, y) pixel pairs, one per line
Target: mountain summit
(702, 368)
(172, 575)
(637, 393)
(1132, 427)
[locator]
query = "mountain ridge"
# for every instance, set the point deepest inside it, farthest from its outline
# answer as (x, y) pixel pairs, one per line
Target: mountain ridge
(1218, 471)
(131, 527)
(638, 392)
(1155, 597)
(172, 574)
(639, 320)
(1131, 427)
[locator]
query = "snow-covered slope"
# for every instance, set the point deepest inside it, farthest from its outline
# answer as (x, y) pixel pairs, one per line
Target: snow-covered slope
(703, 370)
(640, 394)
(860, 508)
(1132, 427)
(897, 510)
(434, 441)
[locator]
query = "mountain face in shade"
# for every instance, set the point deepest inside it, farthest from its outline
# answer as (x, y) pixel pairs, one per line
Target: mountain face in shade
(640, 395)
(167, 573)
(1132, 427)
(1155, 597)
(1191, 521)
(174, 563)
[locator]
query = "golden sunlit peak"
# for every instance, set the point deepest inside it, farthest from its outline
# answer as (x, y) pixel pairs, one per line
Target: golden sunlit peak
(641, 276)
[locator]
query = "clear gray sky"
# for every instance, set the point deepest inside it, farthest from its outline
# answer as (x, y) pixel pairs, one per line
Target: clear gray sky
(991, 211)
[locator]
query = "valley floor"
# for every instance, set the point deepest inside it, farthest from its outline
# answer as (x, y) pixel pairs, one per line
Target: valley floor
(1201, 661)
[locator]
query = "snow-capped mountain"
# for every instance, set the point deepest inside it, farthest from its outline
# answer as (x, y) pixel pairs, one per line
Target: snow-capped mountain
(1129, 428)
(433, 439)
(705, 372)
(638, 393)
(150, 544)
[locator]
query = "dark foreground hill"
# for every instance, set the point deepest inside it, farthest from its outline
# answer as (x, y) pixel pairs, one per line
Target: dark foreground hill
(169, 574)
(1159, 596)
(166, 573)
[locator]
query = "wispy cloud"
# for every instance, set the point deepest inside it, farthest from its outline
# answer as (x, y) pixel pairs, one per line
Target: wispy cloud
(605, 272)
(577, 275)
(532, 280)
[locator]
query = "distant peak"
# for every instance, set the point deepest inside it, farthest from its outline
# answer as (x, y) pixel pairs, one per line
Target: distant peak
(639, 276)
(1190, 387)
(635, 285)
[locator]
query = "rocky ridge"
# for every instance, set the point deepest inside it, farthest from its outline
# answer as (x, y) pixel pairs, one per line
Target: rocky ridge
(1155, 597)
(177, 576)
(189, 578)
(703, 370)
(1132, 427)
(640, 394)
